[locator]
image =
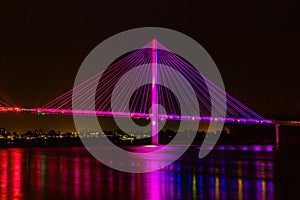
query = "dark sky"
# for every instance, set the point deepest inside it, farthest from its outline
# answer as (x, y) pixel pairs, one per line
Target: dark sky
(255, 45)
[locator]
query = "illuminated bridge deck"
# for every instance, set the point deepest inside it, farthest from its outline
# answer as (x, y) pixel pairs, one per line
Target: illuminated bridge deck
(147, 116)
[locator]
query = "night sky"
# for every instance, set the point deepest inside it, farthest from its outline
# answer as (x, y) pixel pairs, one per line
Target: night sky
(43, 43)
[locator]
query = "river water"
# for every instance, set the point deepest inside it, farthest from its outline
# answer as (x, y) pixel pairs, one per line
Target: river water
(72, 173)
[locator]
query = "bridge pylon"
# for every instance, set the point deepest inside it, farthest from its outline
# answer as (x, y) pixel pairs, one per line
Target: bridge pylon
(154, 119)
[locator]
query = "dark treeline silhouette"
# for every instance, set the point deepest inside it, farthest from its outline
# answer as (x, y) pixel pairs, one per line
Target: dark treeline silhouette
(233, 134)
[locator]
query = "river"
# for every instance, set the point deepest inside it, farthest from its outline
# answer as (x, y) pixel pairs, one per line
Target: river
(72, 173)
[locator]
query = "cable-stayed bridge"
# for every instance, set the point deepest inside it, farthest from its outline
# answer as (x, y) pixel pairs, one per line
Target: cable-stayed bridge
(151, 61)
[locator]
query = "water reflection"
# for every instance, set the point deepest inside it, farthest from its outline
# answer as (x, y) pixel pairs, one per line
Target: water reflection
(71, 173)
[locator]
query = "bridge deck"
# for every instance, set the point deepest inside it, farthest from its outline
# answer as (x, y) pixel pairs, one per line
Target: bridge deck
(148, 116)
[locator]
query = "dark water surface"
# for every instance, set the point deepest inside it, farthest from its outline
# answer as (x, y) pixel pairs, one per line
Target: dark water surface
(72, 173)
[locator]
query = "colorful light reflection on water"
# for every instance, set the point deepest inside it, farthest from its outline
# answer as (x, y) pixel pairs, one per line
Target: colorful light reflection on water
(71, 173)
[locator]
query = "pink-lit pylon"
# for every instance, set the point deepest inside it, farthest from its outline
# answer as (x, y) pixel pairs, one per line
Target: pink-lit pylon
(154, 118)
